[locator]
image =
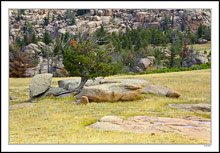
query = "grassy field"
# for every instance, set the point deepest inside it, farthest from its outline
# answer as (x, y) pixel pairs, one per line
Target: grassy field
(59, 121)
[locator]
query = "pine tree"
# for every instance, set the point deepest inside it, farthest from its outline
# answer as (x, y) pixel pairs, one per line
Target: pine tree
(34, 38)
(58, 48)
(47, 38)
(200, 31)
(25, 39)
(183, 25)
(87, 60)
(53, 18)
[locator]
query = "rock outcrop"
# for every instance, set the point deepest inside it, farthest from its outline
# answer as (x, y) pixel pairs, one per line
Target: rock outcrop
(195, 60)
(198, 129)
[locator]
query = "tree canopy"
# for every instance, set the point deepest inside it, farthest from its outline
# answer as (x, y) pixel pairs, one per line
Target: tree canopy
(87, 59)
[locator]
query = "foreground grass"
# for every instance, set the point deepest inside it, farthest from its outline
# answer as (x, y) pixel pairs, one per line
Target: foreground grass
(59, 121)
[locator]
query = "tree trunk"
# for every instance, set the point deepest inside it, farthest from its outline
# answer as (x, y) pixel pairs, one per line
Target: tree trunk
(78, 89)
(82, 83)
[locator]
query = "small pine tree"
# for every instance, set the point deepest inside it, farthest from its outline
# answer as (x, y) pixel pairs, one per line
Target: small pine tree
(34, 38)
(200, 31)
(53, 18)
(182, 25)
(58, 48)
(47, 38)
(25, 39)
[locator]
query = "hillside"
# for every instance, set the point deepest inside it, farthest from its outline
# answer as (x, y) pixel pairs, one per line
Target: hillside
(143, 39)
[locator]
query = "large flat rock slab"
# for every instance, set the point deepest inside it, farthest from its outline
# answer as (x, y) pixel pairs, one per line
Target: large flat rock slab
(70, 84)
(199, 129)
(39, 84)
(111, 92)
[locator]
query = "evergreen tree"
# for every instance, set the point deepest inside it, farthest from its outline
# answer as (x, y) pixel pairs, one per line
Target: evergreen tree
(183, 24)
(53, 18)
(46, 21)
(47, 38)
(58, 47)
(200, 31)
(59, 17)
(34, 38)
(25, 39)
(87, 60)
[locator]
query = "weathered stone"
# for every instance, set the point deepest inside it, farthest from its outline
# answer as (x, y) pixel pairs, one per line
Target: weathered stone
(140, 16)
(62, 31)
(39, 84)
(202, 41)
(83, 101)
(111, 92)
(106, 20)
(192, 107)
(71, 84)
(108, 12)
(53, 91)
(135, 82)
(199, 129)
(145, 63)
(160, 90)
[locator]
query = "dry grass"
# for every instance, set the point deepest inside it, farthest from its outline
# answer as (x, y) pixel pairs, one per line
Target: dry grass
(59, 121)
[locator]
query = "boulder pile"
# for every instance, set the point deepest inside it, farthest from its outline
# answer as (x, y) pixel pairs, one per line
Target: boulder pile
(98, 90)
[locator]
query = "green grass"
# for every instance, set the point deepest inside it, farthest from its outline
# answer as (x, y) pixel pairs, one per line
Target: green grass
(60, 121)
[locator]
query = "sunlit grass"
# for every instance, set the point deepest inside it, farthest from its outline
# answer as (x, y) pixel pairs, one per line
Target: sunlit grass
(60, 121)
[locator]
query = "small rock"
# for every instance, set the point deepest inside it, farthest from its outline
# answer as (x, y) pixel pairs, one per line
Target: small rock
(84, 100)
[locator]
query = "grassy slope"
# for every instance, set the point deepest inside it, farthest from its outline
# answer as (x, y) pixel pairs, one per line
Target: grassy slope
(55, 121)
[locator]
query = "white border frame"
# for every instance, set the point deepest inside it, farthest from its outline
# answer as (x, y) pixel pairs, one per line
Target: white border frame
(129, 4)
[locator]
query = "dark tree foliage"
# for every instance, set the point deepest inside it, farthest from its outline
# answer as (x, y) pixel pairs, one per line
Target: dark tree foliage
(34, 38)
(47, 38)
(87, 59)
(200, 31)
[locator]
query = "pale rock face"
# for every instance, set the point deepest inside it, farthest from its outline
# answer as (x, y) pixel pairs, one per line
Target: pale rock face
(145, 63)
(106, 20)
(62, 31)
(140, 16)
(39, 84)
(108, 12)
